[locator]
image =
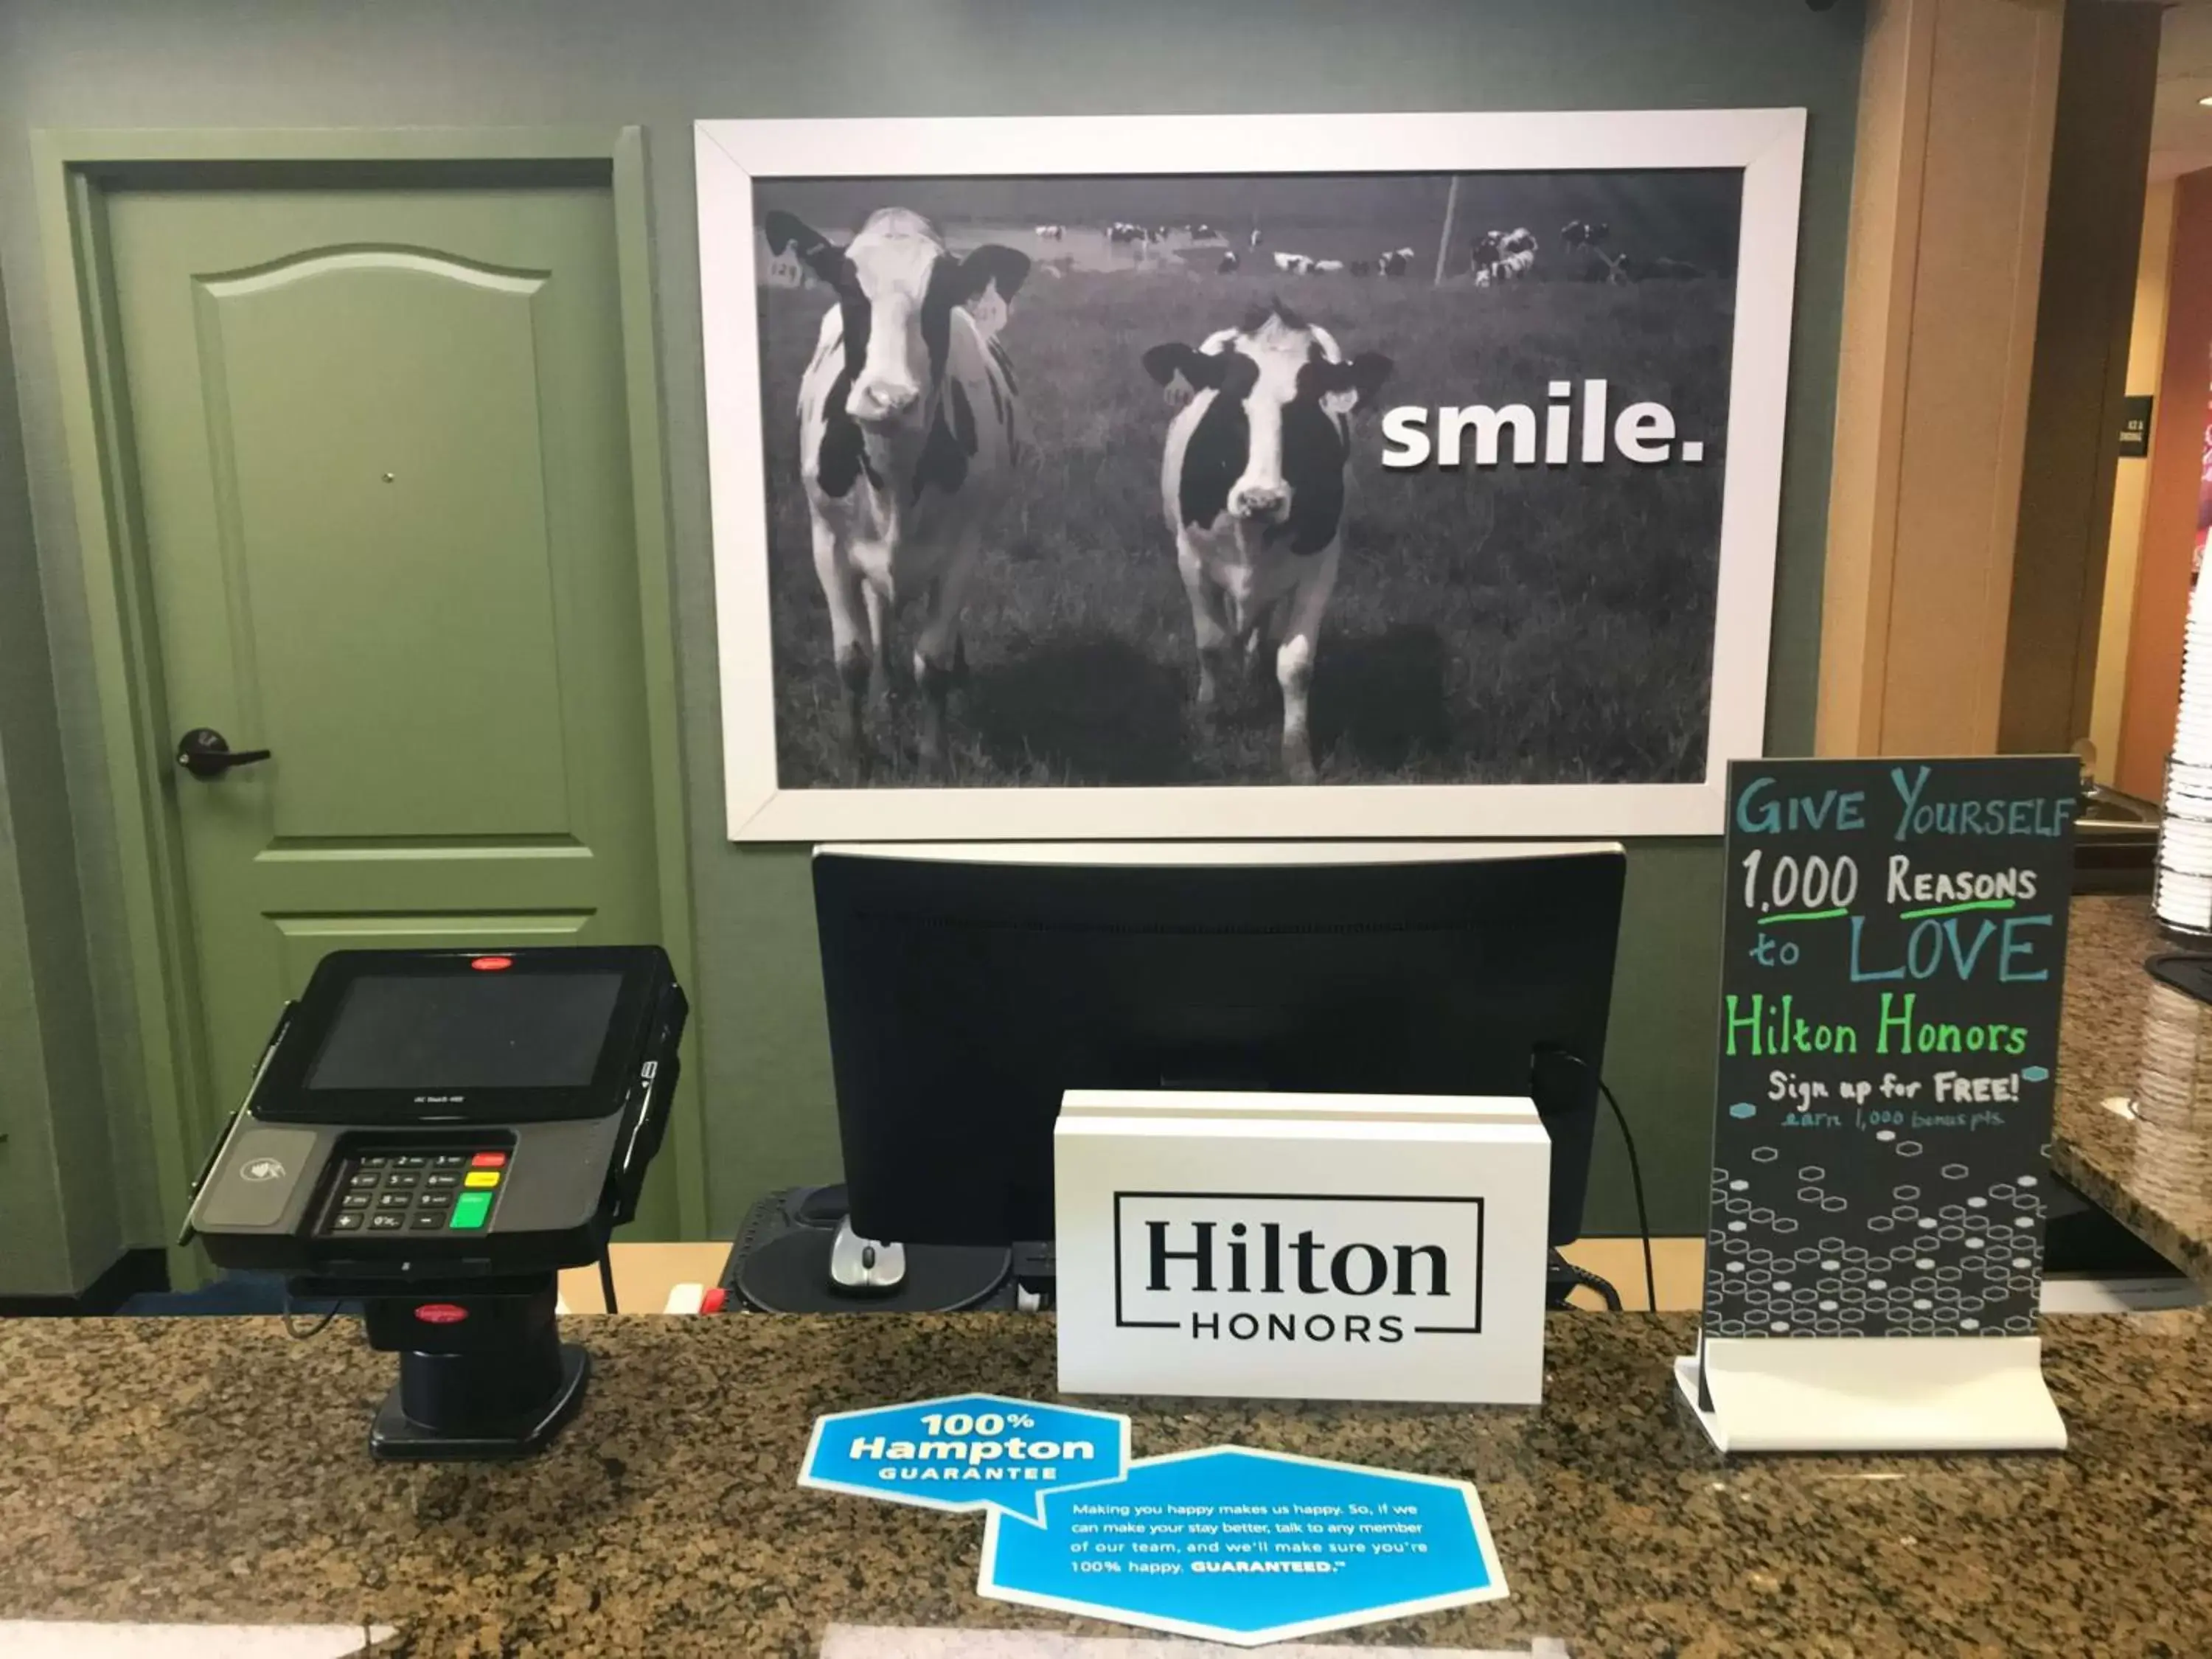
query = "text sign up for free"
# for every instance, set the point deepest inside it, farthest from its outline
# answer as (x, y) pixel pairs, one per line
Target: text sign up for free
(1892, 974)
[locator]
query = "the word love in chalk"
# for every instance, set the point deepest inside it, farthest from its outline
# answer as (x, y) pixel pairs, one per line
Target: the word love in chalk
(970, 1451)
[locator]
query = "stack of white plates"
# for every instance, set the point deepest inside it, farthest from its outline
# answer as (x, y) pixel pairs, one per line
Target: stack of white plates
(2183, 897)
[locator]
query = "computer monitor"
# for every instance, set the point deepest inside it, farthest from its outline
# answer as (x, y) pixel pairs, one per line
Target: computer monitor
(969, 987)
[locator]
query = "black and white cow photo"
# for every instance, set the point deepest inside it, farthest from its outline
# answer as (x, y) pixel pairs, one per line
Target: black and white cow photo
(1355, 479)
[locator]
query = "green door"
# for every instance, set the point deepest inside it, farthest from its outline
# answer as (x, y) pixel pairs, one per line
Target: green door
(381, 452)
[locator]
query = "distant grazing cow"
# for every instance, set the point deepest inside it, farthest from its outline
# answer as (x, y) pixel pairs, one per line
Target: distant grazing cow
(1295, 265)
(908, 433)
(1206, 232)
(1121, 231)
(1228, 261)
(1586, 238)
(1330, 267)
(1051, 233)
(1363, 267)
(1399, 262)
(1506, 255)
(1253, 483)
(1257, 237)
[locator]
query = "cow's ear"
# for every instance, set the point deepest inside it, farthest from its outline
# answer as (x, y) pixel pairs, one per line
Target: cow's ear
(991, 265)
(1368, 370)
(787, 233)
(1182, 370)
(1347, 385)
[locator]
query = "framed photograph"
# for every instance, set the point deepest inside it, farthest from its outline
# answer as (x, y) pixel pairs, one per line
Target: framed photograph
(1273, 476)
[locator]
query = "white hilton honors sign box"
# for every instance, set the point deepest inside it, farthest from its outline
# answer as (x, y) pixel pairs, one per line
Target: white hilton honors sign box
(1330, 1247)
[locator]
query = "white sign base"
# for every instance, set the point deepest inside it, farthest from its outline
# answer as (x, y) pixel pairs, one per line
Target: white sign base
(1305, 1247)
(1863, 1394)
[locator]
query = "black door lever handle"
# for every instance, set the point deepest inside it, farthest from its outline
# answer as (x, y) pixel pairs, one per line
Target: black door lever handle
(206, 753)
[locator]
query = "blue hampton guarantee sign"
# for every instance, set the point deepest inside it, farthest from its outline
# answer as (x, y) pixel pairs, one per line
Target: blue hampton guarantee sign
(1246, 1547)
(969, 1452)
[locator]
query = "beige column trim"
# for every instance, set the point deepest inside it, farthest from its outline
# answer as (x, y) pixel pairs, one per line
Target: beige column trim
(1957, 103)
(1879, 270)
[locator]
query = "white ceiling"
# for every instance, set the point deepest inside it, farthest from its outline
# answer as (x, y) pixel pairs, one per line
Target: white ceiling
(2180, 127)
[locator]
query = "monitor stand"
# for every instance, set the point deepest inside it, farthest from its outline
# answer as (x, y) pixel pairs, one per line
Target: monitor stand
(820, 1265)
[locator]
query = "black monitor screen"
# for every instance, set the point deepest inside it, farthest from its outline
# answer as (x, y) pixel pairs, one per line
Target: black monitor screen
(485, 1030)
(965, 997)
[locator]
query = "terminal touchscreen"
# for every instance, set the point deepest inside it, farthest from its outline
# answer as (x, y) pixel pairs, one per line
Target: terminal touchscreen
(438, 1133)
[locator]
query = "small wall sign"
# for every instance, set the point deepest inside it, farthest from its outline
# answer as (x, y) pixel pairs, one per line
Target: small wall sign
(1301, 1246)
(2134, 426)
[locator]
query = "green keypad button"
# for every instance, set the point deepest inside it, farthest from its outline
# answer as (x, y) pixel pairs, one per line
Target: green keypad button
(469, 1210)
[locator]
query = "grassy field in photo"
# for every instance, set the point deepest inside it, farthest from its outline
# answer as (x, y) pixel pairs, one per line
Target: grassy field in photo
(1490, 625)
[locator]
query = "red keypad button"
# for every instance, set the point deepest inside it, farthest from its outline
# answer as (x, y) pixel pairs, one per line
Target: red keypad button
(489, 1161)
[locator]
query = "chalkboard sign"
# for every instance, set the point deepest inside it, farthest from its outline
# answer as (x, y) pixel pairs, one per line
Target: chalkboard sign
(1895, 945)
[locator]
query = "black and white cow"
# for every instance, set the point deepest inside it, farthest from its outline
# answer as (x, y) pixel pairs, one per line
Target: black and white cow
(1257, 237)
(908, 432)
(1294, 264)
(1253, 482)
(1398, 262)
(1051, 233)
(1503, 256)
(1585, 233)
(1228, 261)
(1122, 231)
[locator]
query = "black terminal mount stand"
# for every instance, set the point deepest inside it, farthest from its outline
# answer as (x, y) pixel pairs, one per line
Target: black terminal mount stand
(436, 1134)
(483, 1371)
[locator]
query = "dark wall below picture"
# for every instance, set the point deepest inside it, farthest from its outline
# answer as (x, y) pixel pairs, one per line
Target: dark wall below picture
(762, 1056)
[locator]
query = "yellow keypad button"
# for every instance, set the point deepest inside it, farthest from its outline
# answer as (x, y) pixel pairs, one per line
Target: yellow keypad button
(481, 1178)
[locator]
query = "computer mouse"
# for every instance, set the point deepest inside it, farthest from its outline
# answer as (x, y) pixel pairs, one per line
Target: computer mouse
(861, 1267)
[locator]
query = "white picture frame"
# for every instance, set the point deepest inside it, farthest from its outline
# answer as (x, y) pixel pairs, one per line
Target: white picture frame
(1766, 144)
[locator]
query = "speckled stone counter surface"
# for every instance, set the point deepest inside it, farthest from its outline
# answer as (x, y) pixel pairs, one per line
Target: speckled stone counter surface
(2134, 1115)
(215, 1469)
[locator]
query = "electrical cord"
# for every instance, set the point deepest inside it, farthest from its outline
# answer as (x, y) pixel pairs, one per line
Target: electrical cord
(1635, 1174)
(1636, 1179)
(607, 1277)
(292, 1330)
(1561, 1271)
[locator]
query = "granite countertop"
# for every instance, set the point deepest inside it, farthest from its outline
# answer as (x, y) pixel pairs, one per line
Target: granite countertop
(214, 1469)
(2133, 1122)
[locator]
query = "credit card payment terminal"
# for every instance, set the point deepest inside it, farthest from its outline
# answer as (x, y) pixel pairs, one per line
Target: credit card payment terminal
(436, 1133)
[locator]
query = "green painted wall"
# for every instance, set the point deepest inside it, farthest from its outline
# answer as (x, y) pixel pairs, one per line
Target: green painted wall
(760, 1054)
(61, 1219)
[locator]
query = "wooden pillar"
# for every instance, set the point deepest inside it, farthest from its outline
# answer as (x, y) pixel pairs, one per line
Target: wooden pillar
(2132, 483)
(2171, 499)
(2100, 152)
(1957, 105)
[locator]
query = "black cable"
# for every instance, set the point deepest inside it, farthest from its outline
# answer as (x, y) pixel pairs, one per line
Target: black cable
(1560, 1271)
(1635, 1178)
(321, 1325)
(607, 1278)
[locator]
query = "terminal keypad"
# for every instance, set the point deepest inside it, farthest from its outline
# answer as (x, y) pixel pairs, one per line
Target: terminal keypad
(445, 1190)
